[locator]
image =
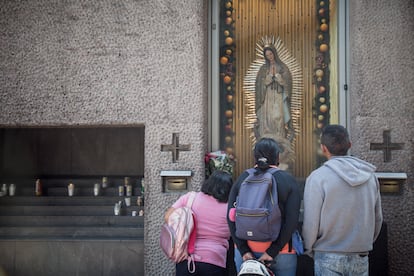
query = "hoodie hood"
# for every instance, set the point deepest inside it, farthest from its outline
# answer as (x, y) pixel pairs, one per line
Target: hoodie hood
(352, 170)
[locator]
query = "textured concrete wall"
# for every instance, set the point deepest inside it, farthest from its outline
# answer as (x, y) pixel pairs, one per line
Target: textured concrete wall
(382, 98)
(110, 63)
(144, 63)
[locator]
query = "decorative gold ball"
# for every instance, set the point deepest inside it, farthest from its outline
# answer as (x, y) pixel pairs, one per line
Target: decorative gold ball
(229, 51)
(228, 20)
(227, 139)
(321, 117)
(224, 60)
(229, 113)
(319, 73)
(321, 12)
(322, 99)
(228, 40)
(323, 48)
(323, 108)
(227, 79)
(229, 98)
(324, 27)
(321, 89)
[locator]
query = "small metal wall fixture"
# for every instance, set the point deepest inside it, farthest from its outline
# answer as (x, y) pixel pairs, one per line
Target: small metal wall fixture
(391, 183)
(175, 181)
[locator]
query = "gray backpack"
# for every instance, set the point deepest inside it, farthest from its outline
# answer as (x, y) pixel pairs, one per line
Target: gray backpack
(258, 217)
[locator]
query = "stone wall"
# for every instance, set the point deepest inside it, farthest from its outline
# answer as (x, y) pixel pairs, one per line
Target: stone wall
(382, 98)
(145, 63)
(75, 63)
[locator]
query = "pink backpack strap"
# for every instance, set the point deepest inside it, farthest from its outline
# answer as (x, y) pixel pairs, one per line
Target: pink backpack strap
(192, 238)
(190, 199)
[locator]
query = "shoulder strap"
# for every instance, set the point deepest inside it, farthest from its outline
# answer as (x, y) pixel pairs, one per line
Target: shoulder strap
(251, 171)
(270, 170)
(191, 199)
(192, 238)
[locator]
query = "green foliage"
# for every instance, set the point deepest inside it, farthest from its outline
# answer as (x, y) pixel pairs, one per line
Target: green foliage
(219, 160)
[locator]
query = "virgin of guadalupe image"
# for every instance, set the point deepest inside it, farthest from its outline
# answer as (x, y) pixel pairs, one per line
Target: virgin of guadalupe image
(273, 100)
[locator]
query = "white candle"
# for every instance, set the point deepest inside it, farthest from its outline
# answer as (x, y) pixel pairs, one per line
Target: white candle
(71, 189)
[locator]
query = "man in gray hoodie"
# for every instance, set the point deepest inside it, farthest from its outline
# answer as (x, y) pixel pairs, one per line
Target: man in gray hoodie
(342, 209)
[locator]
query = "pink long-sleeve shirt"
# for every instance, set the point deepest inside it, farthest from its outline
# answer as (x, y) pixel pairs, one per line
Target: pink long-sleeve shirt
(212, 232)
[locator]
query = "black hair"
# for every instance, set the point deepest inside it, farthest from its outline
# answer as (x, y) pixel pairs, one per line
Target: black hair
(218, 185)
(266, 153)
(336, 139)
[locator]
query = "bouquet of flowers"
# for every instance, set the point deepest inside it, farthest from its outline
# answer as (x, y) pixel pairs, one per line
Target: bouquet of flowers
(218, 160)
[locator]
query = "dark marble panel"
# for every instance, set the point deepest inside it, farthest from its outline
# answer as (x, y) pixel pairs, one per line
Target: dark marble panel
(124, 258)
(80, 258)
(88, 151)
(19, 151)
(68, 257)
(54, 154)
(36, 258)
(7, 255)
(125, 151)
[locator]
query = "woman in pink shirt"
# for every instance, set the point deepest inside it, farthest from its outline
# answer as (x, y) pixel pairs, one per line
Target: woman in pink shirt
(212, 231)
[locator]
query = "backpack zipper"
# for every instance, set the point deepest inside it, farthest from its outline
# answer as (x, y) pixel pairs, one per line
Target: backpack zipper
(253, 215)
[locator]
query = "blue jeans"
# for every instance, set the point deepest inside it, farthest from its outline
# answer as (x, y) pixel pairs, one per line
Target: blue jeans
(334, 264)
(283, 265)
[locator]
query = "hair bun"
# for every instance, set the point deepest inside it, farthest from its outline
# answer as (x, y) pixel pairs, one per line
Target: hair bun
(262, 163)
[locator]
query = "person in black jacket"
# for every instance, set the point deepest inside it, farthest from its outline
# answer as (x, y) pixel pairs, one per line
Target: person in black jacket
(278, 254)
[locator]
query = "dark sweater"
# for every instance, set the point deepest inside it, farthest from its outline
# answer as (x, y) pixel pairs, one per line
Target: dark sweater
(289, 204)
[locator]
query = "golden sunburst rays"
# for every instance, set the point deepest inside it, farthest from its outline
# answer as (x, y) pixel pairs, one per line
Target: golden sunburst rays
(249, 84)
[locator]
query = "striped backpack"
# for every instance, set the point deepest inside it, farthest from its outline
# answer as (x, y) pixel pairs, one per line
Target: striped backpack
(177, 237)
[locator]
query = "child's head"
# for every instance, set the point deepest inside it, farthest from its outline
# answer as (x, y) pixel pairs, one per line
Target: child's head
(218, 185)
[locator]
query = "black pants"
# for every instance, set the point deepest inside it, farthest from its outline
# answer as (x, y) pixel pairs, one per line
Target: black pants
(201, 269)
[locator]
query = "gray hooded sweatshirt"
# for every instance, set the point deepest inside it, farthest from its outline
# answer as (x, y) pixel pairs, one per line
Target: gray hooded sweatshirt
(342, 207)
